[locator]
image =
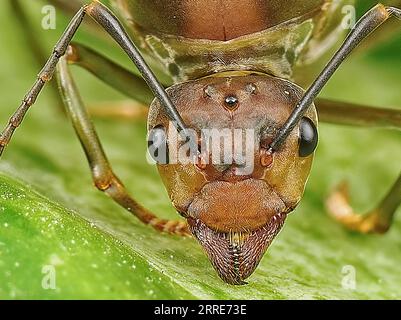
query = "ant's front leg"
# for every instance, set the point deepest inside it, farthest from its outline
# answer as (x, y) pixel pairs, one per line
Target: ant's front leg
(103, 176)
(380, 218)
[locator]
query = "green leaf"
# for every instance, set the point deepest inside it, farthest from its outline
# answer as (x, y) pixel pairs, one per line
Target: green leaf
(51, 215)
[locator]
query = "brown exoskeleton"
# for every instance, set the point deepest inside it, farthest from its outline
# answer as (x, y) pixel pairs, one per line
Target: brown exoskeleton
(234, 63)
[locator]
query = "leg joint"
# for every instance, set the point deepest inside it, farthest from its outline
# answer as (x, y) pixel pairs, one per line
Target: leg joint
(104, 181)
(89, 7)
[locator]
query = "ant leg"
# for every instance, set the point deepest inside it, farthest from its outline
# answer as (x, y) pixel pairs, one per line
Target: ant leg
(380, 218)
(376, 221)
(344, 113)
(103, 176)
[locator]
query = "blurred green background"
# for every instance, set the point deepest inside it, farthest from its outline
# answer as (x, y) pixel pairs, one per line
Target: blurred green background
(50, 214)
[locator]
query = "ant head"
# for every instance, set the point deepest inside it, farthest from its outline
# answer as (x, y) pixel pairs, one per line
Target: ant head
(221, 174)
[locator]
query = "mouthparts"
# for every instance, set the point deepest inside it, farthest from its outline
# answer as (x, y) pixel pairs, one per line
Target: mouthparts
(235, 255)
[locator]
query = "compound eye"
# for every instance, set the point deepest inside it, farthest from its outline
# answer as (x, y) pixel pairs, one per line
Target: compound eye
(158, 145)
(308, 137)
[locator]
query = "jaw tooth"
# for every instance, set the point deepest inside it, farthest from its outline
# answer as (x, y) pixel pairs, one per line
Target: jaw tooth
(236, 262)
(237, 239)
(236, 254)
